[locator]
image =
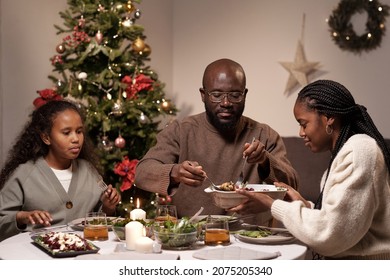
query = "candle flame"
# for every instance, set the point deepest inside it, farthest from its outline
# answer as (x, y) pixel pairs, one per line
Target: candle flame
(137, 202)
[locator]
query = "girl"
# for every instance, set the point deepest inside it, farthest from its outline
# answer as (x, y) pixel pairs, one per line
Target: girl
(351, 218)
(50, 176)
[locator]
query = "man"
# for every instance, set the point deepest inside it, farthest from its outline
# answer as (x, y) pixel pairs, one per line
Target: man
(213, 144)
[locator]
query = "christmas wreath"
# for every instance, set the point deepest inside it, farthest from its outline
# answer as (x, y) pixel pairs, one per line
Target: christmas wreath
(342, 31)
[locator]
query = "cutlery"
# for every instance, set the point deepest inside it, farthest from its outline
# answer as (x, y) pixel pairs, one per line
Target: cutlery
(102, 185)
(241, 176)
(46, 229)
(213, 186)
(196, 215)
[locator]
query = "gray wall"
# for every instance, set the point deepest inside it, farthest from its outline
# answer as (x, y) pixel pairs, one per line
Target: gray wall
(185, 35)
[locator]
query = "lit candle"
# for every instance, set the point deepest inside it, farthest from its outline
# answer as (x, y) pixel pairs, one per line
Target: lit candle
(133, 231)
(144, 245)
(138, 214)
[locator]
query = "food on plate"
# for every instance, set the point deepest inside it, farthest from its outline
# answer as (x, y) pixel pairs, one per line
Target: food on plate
(123, 221)
(230, 186)
(95, 221)
(255, 233)
(64, 242)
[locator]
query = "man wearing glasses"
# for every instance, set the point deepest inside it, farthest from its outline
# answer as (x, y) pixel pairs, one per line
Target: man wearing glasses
(212, 144)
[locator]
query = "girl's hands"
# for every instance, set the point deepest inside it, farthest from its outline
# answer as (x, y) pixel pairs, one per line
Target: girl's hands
(292, 194)
(256, 203)
(36, 217)
(110, 199)
(260, 202)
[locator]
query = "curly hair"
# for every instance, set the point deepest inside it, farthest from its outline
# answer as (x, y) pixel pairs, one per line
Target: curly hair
(330, 98)
(29, 145)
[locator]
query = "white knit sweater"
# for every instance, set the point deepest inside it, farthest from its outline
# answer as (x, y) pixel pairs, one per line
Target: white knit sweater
(355, 215)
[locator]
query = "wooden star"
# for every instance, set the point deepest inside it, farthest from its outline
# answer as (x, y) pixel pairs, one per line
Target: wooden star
(299, 69)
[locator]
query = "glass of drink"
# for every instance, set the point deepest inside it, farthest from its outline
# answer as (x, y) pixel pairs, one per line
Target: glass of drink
(216, 232)
(166, 213)
(95, 226)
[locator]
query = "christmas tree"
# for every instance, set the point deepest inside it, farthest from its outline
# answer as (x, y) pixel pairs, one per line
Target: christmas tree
(101, 63)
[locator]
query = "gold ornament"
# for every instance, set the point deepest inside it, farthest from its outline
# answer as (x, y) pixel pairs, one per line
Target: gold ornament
(146, 51)
(138, 44)
(60, 48)
(130, 7)
(166, 106)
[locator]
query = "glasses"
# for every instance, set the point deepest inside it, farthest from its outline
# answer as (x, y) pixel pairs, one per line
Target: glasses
(232, 96)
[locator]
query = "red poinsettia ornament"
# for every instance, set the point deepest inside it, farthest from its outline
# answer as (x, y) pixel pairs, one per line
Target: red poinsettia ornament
(45, 96)
(126, 169)
(134, 86)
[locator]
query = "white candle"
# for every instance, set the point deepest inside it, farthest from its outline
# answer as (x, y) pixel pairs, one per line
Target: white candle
(144, 245)
(134, 230)
(138, 214)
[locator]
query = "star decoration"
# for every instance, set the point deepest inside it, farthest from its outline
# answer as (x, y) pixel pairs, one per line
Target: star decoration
(299, 69)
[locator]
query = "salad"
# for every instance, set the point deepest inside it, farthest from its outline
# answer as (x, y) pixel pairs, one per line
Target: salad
(64, 242)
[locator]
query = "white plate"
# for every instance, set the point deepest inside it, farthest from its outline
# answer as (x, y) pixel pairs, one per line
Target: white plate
(282, 236)
(234, 253)
(78, 224)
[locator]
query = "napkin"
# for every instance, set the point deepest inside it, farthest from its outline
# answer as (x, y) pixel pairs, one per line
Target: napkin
(234, 253)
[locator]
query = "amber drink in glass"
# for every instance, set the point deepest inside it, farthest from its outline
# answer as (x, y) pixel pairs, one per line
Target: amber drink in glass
(216, 232)
(95, 226)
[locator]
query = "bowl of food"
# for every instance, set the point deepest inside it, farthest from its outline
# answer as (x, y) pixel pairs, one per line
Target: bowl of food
(176, 235)
(225, 196)
(120, 232)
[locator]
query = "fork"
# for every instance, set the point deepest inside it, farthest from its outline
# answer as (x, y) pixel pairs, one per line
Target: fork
(241, 176)
(213, 186)
(102, 185)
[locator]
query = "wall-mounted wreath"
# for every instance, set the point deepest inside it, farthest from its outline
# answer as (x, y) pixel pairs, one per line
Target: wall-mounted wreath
(342, 31)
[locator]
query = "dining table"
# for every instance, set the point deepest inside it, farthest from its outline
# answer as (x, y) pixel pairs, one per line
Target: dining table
(22, 247)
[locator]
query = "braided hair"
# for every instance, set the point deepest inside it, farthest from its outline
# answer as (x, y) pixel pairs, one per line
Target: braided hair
(29, 145)
(330, 98)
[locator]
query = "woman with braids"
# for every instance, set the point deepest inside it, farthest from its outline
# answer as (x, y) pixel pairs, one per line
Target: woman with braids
(50, 176)
(351, 219)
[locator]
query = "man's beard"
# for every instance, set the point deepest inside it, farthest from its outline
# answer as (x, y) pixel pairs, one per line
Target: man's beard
(224, 127)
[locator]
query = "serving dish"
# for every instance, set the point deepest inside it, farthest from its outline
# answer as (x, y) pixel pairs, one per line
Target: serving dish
(229, 199)
(39, 240)
(176, 241)
(179, 235)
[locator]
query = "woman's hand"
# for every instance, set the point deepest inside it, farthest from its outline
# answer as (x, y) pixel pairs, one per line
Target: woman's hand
(256, 203)
(36, 217)
(110, 199)
(292, 194)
